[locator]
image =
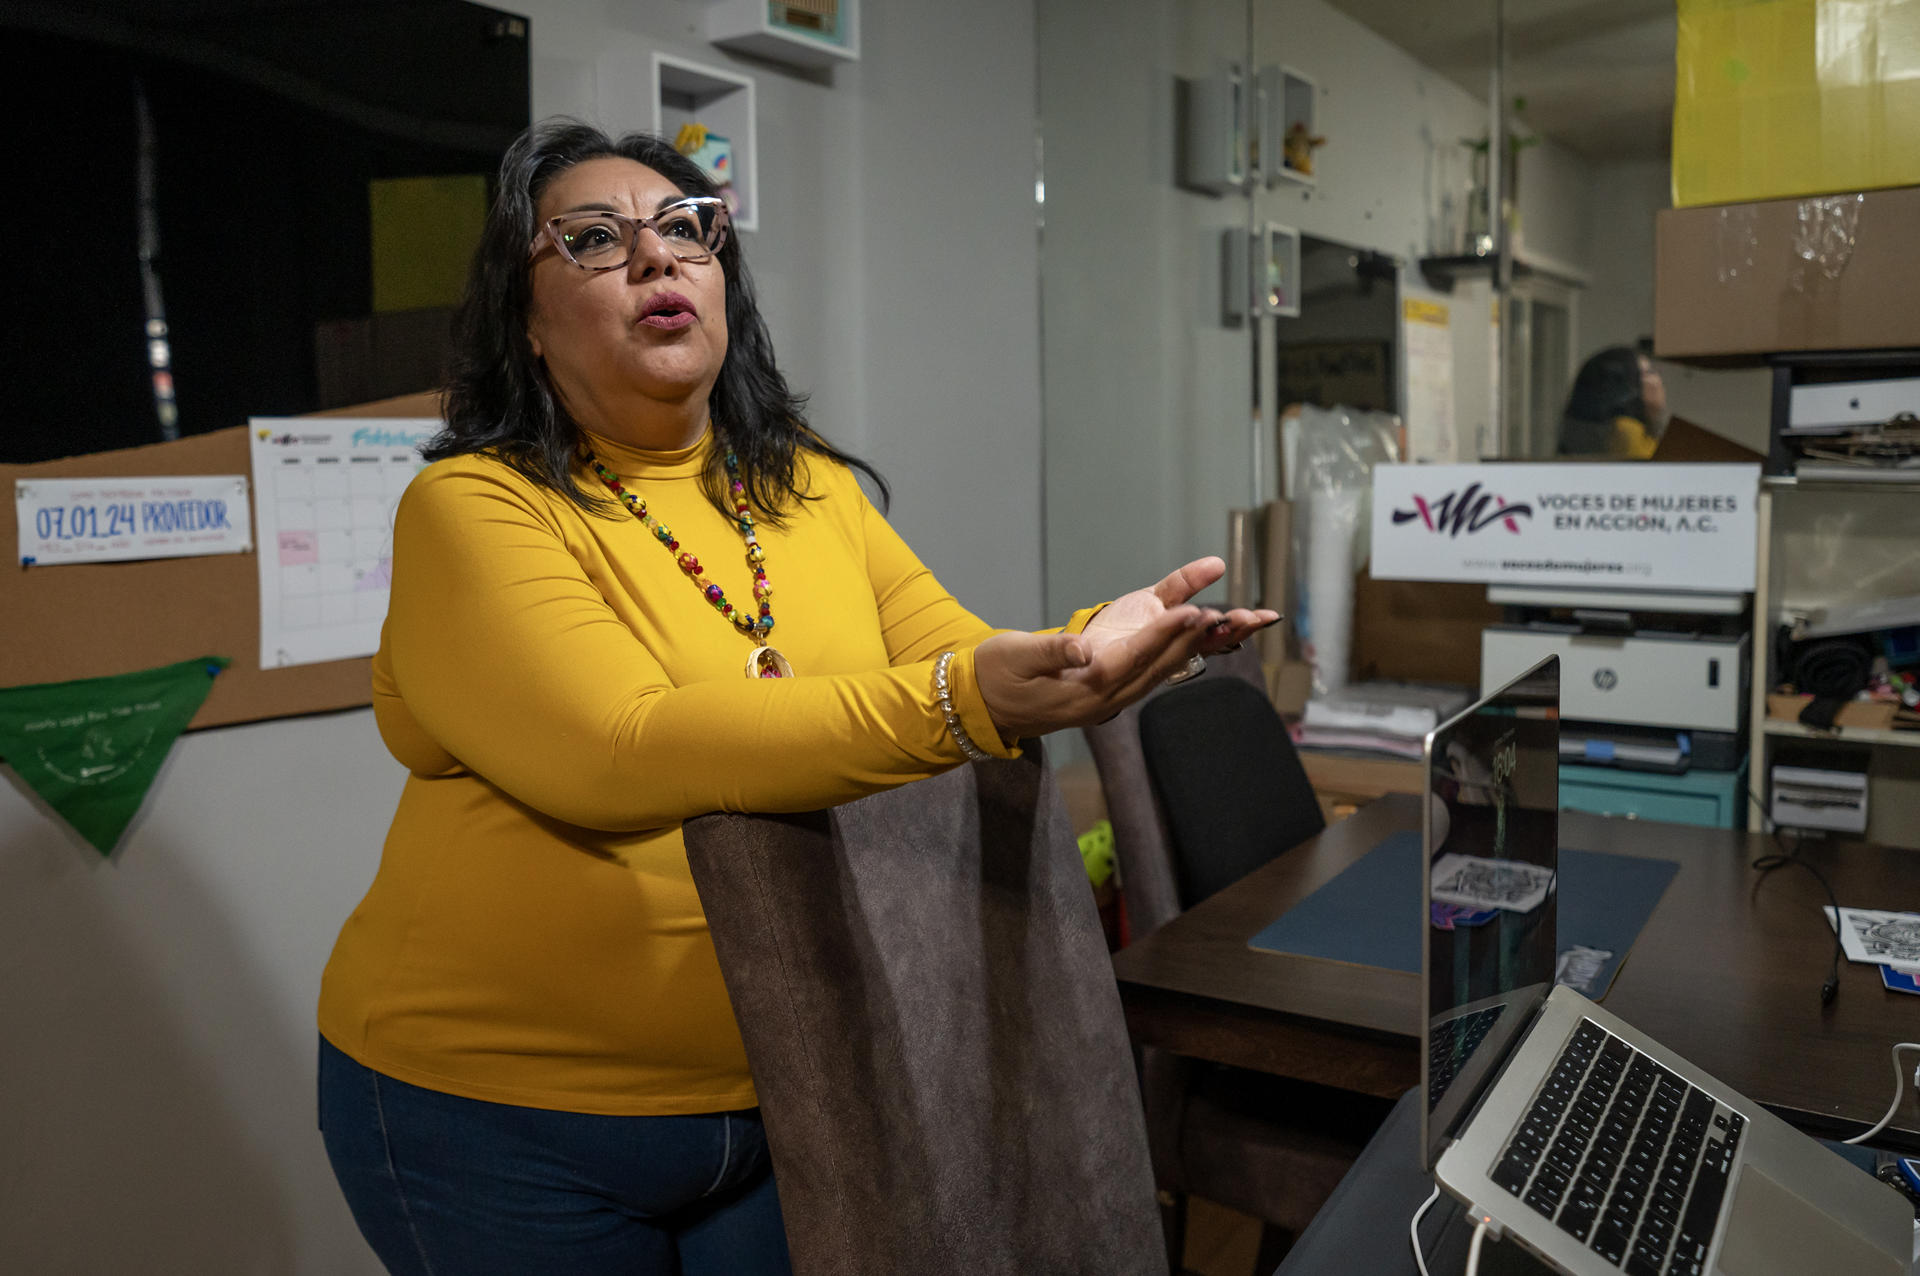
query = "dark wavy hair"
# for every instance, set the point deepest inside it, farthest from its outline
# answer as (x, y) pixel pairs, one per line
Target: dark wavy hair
(499, 401)
(1607, 386)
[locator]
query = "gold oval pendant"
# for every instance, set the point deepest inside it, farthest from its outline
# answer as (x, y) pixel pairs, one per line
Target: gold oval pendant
(765, 662)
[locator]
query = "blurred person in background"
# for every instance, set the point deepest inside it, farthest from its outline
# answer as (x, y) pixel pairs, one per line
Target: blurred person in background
(1617, 408)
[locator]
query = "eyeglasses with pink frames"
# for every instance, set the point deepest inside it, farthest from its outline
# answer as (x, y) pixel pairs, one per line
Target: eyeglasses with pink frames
(693, 229)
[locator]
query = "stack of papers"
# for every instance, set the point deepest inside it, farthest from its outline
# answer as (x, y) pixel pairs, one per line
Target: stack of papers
(1379, 717)
(1890, 941)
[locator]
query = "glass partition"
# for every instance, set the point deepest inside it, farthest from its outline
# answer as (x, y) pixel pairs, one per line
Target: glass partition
(1223, 181)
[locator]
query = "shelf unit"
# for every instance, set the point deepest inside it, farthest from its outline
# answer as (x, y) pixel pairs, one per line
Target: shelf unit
(1260, 273)
(1828, 540)
(1236, 125)
(809, 34)
(1827, 367)
(1841, 735)
(687, 92)
(1441, 273)
(1276, 289)
(1282, 98)
(1794, 483)
(1821, 544)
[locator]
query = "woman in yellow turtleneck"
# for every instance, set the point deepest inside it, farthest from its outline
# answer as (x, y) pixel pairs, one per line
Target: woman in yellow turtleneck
(528, 1059)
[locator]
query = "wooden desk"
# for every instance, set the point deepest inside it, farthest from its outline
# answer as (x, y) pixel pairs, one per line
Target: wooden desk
(1727, 972)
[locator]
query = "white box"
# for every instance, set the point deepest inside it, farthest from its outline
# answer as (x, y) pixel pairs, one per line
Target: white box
(1849, 404)
(766, 31)
(1820, 798)
(1218, 115)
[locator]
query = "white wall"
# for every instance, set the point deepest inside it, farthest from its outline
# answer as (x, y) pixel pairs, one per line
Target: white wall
(157, 1081)
(947, 346)
(1618, 308)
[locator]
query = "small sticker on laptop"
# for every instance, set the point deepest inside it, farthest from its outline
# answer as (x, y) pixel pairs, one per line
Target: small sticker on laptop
(1900, 979)
(1578, 967)
(1454, 916)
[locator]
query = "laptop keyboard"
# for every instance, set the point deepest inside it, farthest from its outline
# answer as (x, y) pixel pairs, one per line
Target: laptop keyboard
(1453, 1042)
(1624, 1156)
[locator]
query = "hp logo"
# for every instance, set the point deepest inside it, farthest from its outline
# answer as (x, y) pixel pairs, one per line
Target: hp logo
(1605, 679)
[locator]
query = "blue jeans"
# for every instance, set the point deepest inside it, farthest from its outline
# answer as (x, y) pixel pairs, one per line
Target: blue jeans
(446, 1186)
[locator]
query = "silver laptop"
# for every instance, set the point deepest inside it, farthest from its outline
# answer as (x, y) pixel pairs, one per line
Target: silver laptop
(1587, 1142)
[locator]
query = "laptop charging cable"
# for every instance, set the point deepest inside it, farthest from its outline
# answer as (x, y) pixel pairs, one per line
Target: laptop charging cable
(1473, 1249)
(1413, 1229)
(1767, 863)
(1481, 1228)
(1899, 1091)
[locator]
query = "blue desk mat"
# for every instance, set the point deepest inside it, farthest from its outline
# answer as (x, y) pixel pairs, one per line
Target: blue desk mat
(1366, 915)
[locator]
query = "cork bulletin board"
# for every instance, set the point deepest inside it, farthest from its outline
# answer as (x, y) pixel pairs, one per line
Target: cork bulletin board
(90, 620)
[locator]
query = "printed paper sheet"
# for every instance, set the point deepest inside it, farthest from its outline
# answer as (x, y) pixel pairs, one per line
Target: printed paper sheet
(1879, 938)
(325, 491)
(1429, 355)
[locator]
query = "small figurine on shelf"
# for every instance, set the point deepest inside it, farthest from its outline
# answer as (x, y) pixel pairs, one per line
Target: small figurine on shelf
(714, 155)
(1299, 147)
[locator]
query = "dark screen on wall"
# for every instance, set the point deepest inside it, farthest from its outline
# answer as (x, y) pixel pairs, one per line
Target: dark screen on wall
(268, 123)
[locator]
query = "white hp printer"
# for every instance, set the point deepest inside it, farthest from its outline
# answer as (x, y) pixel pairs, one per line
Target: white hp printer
(1649, 680)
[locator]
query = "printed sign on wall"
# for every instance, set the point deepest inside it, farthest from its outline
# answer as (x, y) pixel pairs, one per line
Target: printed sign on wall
(116, 519)
(1633, 525)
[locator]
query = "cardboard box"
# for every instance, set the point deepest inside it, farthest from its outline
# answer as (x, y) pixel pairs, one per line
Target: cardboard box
(1734, 281)
(1289, 684)
(1246, 534)
(1280, 643)
(1874, 714)
(1419, 630)
(1682, 440)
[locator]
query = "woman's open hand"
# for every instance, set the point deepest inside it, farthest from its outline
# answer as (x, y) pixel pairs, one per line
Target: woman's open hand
(1036, 683)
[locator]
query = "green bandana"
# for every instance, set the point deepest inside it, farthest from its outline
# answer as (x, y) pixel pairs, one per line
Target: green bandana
(91, 747)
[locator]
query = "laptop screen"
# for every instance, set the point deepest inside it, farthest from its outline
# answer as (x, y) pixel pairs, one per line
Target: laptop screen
(1492, 842)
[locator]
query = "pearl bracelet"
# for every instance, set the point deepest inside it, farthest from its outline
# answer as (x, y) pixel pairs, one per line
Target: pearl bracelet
(944, 691)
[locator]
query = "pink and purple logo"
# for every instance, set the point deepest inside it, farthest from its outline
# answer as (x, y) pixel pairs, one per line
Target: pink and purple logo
(1466, 511)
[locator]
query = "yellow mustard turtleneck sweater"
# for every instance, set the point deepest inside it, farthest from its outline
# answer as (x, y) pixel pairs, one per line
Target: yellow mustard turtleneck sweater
(562, 698)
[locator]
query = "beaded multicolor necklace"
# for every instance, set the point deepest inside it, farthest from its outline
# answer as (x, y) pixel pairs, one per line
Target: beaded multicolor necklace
(763, 661)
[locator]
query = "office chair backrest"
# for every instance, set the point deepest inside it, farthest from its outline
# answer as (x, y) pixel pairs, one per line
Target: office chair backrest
(1231, 786)
(934, 1030)
(1141, 841)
